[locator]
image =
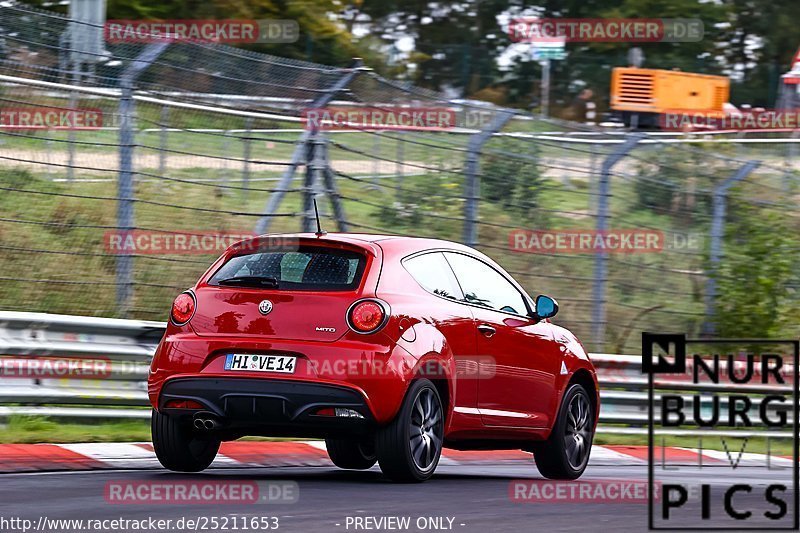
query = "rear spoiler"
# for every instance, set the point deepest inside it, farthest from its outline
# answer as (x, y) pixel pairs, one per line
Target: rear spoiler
(287, 242)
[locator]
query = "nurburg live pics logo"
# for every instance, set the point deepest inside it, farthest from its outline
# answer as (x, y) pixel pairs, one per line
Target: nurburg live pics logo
(728, 396)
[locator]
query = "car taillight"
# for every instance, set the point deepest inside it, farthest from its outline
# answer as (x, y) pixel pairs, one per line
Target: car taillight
(183, 308)
(367, 316)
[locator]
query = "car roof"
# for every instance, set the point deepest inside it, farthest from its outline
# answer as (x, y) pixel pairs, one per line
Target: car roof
(397, 241)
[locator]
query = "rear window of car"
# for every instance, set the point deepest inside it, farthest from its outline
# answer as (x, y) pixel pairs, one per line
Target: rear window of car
(306, 268)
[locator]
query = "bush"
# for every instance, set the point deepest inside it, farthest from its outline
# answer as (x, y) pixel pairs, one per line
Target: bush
(756, 289)
(513, 182)
(16, 178)
(668, 182)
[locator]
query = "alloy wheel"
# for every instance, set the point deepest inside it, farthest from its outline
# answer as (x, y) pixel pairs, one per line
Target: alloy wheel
(578, 432)
(425, 430)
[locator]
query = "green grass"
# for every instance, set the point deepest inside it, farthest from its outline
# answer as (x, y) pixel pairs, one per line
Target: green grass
(36, 429)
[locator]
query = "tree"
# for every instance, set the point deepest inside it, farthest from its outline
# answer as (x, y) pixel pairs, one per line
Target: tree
(754, 291)
(323, 36)
(456, 43)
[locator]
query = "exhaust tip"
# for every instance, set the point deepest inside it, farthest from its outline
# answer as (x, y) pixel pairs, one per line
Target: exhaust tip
(206, 424)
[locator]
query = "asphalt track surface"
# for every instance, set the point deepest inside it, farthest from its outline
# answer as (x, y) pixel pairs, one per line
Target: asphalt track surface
(476, 498)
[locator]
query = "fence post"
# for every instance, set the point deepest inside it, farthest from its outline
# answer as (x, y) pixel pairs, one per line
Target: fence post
(791, 153)
(73, 103)
(399, 167)
(248, 126)
(300, 150)
(49, 146)
(162, 154)
(316, 163)
(472, 185)
(333, 193)
(593, 155)
(545, 88)
(376, 161)
(719, 200)
(601, 258)
(298, 158)
(125, 189)
(226, 149)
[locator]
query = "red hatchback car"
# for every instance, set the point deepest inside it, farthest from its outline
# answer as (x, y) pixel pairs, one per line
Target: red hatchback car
(390, 348)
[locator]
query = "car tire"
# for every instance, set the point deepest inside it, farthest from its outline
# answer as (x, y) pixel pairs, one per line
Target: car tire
(352, 454)
(566, 453)
(409, 447)
(178, 447)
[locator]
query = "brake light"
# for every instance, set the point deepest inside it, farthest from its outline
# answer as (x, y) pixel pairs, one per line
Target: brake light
(183, 308)
(367, 316)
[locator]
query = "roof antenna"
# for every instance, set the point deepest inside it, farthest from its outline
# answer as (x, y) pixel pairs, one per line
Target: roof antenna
(320, 232)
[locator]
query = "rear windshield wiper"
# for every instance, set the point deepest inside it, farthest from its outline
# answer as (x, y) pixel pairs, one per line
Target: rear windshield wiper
(249, 281)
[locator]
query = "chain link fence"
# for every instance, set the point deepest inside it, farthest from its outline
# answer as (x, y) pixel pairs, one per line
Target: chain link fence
(200, 144)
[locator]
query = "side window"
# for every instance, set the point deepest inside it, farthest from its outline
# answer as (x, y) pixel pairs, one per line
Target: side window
(485, 286)
(433, 273)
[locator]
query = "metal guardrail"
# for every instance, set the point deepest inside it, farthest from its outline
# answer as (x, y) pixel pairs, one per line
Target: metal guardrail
(125, 347)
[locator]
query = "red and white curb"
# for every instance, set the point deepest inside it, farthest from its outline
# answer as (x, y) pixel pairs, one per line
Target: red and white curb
(116, 455)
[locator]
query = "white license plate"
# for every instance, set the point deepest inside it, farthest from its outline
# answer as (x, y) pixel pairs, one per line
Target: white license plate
(260, 363)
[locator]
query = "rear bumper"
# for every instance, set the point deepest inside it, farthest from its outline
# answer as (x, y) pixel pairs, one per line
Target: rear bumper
(350, 371)
(269, 407)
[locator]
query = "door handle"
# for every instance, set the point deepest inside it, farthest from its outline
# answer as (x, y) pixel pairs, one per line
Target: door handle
(487, 330)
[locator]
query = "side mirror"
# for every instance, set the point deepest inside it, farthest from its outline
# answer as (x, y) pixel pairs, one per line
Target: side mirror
(546, 307)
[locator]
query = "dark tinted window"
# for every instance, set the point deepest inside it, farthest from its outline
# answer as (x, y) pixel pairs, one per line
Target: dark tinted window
(434, 274)
(484, 286)
(309, 268)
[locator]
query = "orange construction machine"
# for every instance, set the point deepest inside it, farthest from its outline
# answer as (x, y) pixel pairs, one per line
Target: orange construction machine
(641, 95)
